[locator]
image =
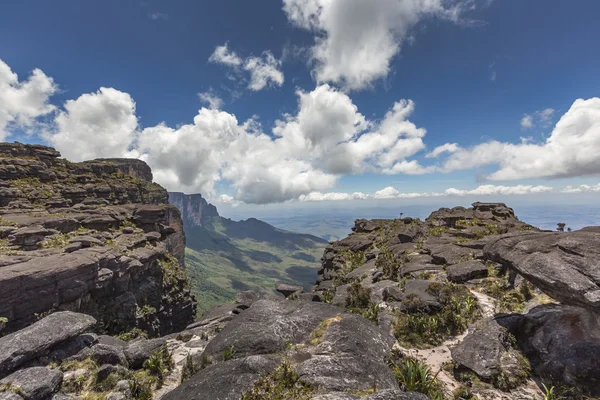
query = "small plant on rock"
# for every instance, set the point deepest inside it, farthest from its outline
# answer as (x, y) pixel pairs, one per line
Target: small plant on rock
(415, 376)
(463, 392)
(189, 369)
(283, 383)
(228, 353)
(159, 364)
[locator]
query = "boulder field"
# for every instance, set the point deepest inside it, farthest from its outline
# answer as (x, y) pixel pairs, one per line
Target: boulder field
(471, 303)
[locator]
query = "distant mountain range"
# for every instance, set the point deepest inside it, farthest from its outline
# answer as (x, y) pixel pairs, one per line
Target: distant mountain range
(224, 256)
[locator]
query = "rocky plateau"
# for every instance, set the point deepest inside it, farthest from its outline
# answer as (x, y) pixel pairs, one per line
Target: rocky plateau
(471, 303)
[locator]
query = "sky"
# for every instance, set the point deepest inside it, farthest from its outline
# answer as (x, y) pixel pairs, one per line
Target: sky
(255, 103)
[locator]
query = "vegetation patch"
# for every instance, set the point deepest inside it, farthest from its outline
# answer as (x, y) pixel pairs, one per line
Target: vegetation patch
(389, 264)
(189, 368)
(159, 364)
(4, 222)
(132, 334)
(228, 353)
(463, 392)
(422, 329)
(175, 279)
(507, 301)
(415, 376)
(359, 302)
(281, 384)
(437, 230)
(318, 334)
(327, 296)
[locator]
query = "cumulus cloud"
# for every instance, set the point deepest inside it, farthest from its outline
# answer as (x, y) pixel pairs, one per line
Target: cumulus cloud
(101, 124)
(445, 148)
(264, 70)
(571, 150)
(541, 118)
(211, 99)
(332, 196)
(582, 189)
(355, 40)
(487, 190)
(22, 102)
(307, 151)
(222, 55)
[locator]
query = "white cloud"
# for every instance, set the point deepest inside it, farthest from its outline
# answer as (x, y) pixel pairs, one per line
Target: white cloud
(101, 124)
(265, 70)
(445, 148)
(487, 190)
(155, 16)
(582, 189)
(332, 196)
(229, 200)
(22, 102)
(527, 121)
(542, 118)
(211, 99)
(571, 150)
(222, 55)
(355, 40)
(392, 193)
(308, 151)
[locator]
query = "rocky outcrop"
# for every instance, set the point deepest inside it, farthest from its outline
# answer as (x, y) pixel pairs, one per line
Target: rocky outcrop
(194, 208)
(96, 237)
(335, 351)
(32, 342)
(563, 344)
(564, 265)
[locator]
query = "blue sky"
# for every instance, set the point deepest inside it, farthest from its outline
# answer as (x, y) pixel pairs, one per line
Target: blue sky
(475, 72)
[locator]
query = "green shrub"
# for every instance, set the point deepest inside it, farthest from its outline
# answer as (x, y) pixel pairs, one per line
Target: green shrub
(189, 369)
(145, 311)
(437, 230)
(205, 361)
(281, 384)
(132, 334)
(159, 364)
(389, 264)
(358, 296)
(415, 376)
(419, 328)
(327, 296)
(463, 392)
(141, 385)
(228, 353)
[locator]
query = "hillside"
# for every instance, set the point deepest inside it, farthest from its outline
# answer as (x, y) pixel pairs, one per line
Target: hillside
(224, 257)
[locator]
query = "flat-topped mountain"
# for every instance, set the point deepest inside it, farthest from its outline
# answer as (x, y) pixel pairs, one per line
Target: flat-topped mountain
(224, 257)
(97, 237)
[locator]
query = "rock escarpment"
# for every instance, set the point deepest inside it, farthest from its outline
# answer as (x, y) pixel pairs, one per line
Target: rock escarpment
(96, 237)
(475, 271)
(194, 208)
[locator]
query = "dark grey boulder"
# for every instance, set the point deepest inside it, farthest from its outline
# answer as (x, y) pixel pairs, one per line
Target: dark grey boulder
(35, 340)
(288, 290)
(268, 326)
(452, 254)
(562, 342)
(112, 341)
(417, 296)
(105, 354)
(563, 265)
(37, 383)
(247, 298)
(138, 352)
(465, 271)
(72, 347)
(226, 380)
(487, 351)
(351, 356)
(397, 395)
(411, 233)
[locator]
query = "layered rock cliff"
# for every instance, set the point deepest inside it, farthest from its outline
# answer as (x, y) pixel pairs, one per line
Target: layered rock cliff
(195, 210)
(96, 237)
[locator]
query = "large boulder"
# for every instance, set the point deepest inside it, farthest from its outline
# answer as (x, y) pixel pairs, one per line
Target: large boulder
(488, 351)
(562, 342)
(225, 381)
(466, 271)
(35, 340)
(37, 383)
(334, 350)
(138, 352)
(563, 265)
